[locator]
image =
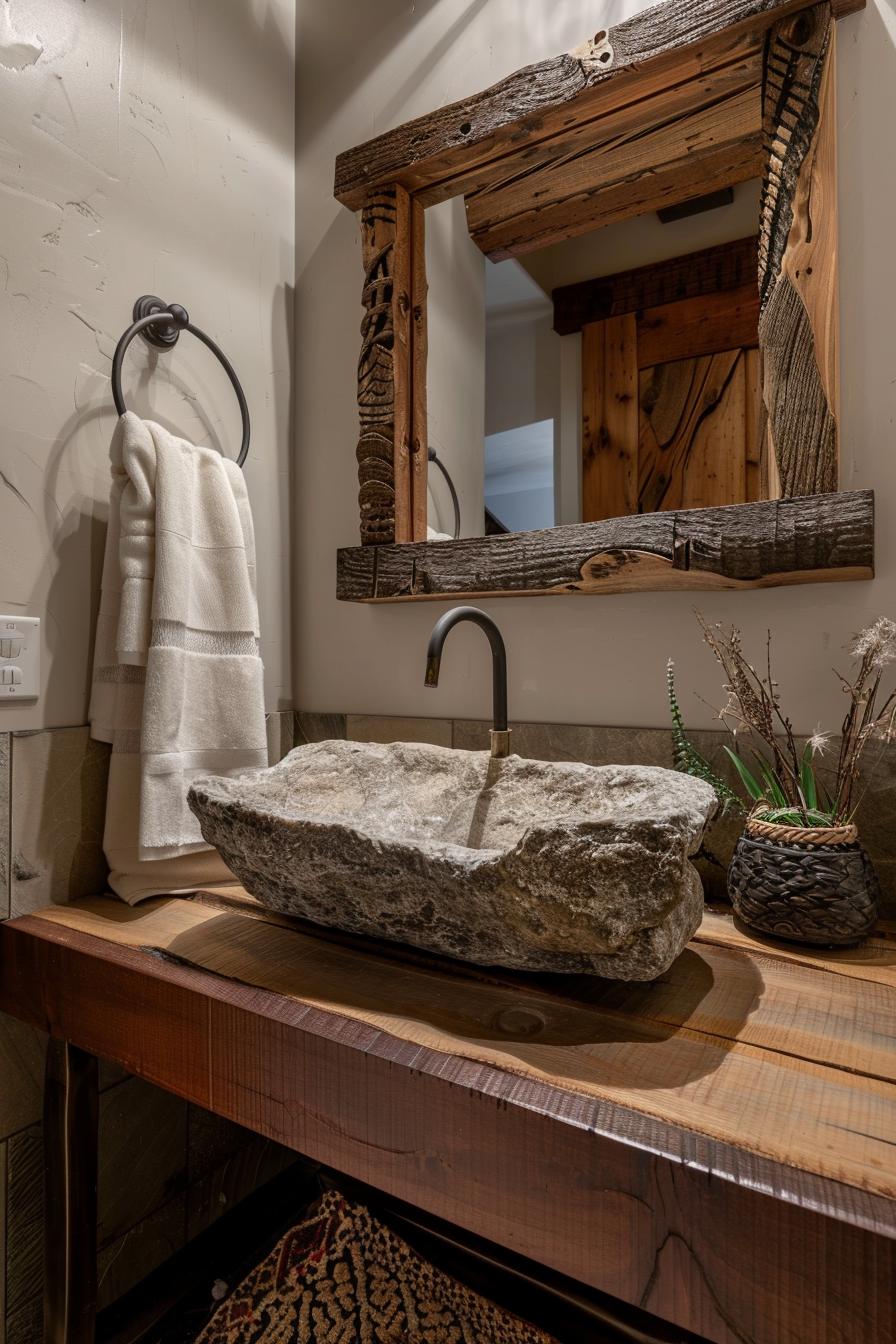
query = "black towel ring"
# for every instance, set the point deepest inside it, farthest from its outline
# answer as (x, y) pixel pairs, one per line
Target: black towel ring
(434, 457)
(161, 324)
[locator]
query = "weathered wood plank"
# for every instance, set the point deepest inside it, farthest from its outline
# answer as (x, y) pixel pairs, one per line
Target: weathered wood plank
(609, 418)
(713, 270)
(873, 960)
(631, 174)
(376, 372)
(798, 324)
(673, 41)
(692, 437)
(403, 337)
(707, 325)
(758, 1055)
(753, 451)
(452, 1136)
(810, 539)
(577, 153)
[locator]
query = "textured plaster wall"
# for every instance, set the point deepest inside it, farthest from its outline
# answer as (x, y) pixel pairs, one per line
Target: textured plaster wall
(145, 146)
(588, 660)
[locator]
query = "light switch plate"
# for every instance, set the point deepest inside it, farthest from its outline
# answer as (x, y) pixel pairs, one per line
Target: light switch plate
(19, 654)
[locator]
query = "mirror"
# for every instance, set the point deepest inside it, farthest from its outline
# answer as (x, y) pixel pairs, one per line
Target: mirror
(694, 438)
(683, 484)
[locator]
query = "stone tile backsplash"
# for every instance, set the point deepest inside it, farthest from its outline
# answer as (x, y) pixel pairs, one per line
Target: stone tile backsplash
(58, 806)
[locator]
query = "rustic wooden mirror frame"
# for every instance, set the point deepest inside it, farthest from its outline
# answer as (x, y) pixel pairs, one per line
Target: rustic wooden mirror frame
(679, 100)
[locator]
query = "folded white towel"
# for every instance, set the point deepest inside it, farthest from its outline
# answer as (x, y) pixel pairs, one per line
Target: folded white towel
(177, 686)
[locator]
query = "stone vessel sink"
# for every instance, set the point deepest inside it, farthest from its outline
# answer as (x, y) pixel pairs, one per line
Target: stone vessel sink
(518, 863)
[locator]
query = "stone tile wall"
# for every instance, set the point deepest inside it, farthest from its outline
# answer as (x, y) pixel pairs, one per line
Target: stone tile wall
(167, 1169)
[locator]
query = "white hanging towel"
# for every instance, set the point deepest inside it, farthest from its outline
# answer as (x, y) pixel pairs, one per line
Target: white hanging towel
(177, 677)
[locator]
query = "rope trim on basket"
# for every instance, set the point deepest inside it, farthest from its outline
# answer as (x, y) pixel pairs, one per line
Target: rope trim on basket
(813, 836)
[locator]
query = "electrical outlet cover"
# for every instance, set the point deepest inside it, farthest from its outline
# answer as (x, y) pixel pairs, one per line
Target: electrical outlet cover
(19, 652)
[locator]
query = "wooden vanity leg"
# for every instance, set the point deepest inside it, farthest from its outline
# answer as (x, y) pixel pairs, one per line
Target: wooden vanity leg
(71, 1108)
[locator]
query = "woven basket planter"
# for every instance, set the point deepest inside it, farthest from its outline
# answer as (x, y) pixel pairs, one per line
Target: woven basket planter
(813, 885)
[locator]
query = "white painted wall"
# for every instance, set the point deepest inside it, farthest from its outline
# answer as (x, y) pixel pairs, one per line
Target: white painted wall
(456, 397)
(572, 659)
(145, 146)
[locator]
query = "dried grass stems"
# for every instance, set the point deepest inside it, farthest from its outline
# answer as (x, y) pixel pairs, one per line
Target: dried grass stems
(753, 707)
(875, 648)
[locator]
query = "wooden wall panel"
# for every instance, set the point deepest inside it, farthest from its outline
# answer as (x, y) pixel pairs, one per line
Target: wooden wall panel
(712, 270)
(706, 325)
(694, 436)
(609, 418)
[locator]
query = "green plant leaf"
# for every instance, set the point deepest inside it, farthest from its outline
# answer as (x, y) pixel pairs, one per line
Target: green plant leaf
(773, 789)
(748, 779)
(688, 760)
(789, 816)
(807, 780)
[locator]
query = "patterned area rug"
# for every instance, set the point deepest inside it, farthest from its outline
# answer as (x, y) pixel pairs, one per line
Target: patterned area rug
(344, 1278)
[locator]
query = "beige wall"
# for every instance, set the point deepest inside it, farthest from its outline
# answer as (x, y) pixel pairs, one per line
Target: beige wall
(588, 660)
(145, 146)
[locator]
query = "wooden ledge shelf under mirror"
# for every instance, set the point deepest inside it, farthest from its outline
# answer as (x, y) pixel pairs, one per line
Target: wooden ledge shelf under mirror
(710, 399)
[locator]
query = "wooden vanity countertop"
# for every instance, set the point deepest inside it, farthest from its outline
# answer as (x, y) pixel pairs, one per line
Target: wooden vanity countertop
(743, 1105)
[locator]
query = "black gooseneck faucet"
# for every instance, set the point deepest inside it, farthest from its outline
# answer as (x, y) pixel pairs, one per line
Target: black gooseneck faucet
(500, 733)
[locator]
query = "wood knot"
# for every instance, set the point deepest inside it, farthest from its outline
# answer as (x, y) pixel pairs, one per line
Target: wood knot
(520, 1022)
(799, 31)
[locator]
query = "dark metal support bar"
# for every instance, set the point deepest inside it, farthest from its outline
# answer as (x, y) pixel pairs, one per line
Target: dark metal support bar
(71, 1111)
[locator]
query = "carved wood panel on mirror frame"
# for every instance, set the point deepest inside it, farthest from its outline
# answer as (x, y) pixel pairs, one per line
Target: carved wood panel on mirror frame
(684, 486)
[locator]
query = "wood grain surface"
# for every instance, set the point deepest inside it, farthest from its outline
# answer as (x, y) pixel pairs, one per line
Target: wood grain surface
(812, 539)
(763, 1055)
(706, 325)
(799, 319)
(377, 409)
(693, 435)
(609, 418)
(379, 1069)
(712, 270)
(650, 53)
(632, 172)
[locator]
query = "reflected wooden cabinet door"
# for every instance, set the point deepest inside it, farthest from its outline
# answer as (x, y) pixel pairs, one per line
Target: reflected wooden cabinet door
(671, 393)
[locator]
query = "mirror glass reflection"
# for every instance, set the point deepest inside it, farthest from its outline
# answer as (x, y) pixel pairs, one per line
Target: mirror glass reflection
(505, 390)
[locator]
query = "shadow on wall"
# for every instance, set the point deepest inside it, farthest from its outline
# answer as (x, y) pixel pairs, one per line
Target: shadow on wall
(324, 26)
(246, 60)
(325, 392)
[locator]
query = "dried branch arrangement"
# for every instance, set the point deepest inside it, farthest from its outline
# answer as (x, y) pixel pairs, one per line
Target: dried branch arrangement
(785, 783)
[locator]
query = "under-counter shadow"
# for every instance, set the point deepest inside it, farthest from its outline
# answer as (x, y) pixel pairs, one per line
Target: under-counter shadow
(599, 1033)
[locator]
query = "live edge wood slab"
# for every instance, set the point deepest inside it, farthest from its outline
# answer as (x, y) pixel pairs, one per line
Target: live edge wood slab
(717, 1146)
(810, 539)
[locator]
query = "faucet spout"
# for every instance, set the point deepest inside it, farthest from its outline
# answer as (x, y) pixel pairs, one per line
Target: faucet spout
(500, 734)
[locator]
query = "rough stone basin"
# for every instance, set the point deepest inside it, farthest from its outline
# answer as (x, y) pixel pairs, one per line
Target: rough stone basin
(526, 864)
